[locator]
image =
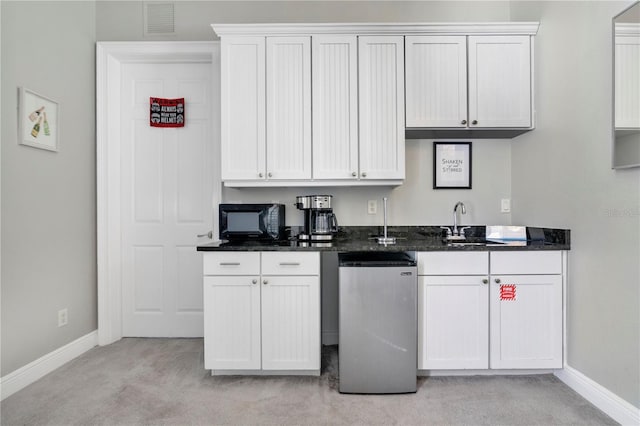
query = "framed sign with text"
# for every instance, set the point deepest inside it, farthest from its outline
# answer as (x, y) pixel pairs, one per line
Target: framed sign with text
(452, 165)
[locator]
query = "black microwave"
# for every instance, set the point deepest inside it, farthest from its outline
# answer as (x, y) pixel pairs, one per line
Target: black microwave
(252, 222)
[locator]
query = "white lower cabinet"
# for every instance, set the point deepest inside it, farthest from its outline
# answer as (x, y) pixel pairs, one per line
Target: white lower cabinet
(266, 320)
(475, 317)
(453, 310)
(526, 309)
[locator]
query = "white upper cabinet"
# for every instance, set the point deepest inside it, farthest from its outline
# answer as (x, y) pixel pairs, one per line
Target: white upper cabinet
(266, 108)
(288, 107)
(499, 81)
(243, 108)
(335, 106)
(436, 81)
(325, 104)
(469, 82)
(381, 99)
(627, 78)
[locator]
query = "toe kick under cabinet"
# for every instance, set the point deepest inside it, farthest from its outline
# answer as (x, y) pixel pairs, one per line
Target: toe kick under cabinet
(262, 312)
(498, 310)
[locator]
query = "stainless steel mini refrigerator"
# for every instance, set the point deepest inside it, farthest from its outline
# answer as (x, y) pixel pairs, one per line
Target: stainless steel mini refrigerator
(378, 322)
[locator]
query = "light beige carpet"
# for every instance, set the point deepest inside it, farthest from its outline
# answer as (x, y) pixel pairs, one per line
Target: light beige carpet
(163, 382)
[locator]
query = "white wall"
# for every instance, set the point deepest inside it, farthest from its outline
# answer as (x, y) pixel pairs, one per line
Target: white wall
(562, 178)
(415, 202)
(123, 20)
(48, 199)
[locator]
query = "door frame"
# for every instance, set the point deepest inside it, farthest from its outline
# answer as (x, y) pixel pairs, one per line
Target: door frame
(110, 57)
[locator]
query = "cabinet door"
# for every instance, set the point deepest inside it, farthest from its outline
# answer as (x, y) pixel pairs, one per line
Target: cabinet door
(453, 322)
(335, 107)
(499, 81)
(232, 323)
(627, 82)
(436, 81)
(526, 321)
(381, 95)
(290, 323)
(243, 108)
(288, 108)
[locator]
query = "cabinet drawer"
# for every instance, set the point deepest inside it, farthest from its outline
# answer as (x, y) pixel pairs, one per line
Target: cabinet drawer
(231, 263)
(530, 262)
(290, 263)
(447, 263)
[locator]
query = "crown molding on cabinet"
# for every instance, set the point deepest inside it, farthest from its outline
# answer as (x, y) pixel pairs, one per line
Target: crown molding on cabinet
(627, 29)
(474, 28)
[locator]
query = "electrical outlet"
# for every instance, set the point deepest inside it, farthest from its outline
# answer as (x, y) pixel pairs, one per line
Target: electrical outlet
(63, 317)
(505, 205)
(372, 206)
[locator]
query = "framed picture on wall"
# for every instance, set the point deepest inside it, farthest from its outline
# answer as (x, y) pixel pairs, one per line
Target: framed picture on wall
(452, 165)
(38, 118)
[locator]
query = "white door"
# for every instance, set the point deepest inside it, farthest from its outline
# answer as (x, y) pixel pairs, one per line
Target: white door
(381, 95)
(335, 106)
(499, 81)
(167, 177)
(453, 322)
(288, 107)
(232, 323)
(243, 149)
(290, 323)
(436, 81)
(526, 321)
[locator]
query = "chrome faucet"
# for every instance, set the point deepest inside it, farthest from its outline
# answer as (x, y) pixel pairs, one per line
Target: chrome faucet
(463, 210)
(454, 233)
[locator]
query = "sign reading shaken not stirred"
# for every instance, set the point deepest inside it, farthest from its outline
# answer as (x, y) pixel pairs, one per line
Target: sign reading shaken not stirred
(452, 165)
(166, 112)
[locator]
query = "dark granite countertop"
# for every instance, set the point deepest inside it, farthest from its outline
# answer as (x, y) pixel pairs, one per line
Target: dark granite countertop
(409, 238)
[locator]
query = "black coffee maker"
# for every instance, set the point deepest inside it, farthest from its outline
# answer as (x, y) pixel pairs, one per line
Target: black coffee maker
(320, 223)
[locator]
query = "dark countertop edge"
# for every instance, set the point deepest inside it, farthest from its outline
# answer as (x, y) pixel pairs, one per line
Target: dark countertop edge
(397, 247)
(411, 238)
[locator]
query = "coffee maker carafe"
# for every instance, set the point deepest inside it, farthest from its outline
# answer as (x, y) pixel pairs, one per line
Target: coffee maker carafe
(320, 223)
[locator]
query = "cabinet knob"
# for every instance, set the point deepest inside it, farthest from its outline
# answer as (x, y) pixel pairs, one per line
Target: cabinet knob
(260, 175)
(463, 122)
(254, 281)
(497, 280)
(364, 174)
(485, 281)
(265, 282)
(474, 122)
(354, 174)
(269, 174)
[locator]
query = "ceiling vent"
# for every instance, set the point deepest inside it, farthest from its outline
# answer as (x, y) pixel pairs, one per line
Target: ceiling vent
(158, 18)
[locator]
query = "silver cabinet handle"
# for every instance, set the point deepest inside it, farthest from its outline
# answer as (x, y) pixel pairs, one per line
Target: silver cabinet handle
(497, 280)
(485, 281)
(354, 174)
(463, 122)
(229, 263)
(254, 281)
(289, 263)
(364, 174)
(208, 234)
(474, 122)
(260, 175)
(265, 282)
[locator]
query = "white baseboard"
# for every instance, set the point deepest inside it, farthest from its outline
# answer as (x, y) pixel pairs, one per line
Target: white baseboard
(24, 376)
(615, 407)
